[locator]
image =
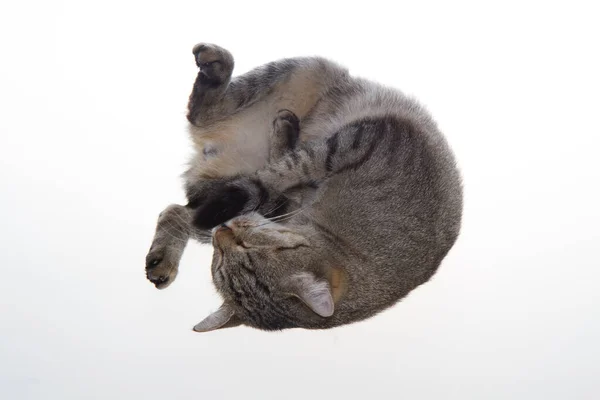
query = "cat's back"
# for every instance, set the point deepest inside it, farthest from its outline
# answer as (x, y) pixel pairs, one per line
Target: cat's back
(401, 207)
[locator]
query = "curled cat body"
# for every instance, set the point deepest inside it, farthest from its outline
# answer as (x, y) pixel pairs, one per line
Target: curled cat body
(327, 198)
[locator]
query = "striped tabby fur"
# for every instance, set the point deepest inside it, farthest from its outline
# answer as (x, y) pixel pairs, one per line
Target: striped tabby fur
(333, 197)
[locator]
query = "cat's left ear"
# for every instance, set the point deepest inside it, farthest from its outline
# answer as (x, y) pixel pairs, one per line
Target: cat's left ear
(315, 293)
(224, 317)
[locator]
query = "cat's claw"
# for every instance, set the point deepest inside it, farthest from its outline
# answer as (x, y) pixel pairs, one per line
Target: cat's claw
(161, 267)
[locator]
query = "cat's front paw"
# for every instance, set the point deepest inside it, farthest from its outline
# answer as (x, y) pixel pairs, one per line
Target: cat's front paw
(162, 264)
(215, 63)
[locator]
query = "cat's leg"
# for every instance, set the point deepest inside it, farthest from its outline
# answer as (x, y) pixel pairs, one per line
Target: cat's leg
(216, 96)
(306, 166)
(206, 102)
(285, 133)
(173, 230)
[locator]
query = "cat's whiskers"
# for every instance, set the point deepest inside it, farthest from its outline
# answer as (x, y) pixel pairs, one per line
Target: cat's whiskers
(281, 218)
(182, 223)
(272, 210)
(291, 214)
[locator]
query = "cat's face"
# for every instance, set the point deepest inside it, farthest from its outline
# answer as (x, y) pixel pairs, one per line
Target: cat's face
(272, 276)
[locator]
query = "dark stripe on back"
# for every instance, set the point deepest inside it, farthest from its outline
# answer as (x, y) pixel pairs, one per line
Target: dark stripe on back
(365, 157)
(376, 136)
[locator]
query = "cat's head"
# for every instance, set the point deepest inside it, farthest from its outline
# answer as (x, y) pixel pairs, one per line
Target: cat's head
(272, 276)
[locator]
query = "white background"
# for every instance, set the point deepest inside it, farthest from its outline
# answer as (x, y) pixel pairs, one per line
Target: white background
(92, 123)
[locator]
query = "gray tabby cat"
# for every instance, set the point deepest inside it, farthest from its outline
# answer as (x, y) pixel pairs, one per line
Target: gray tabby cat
(325, 216)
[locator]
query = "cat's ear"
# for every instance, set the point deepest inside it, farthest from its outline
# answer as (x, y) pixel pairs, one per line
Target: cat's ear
(224, 317)
(315, 293)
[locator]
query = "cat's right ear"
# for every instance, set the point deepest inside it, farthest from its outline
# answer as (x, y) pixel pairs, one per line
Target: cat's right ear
(224, 317)
(315, 293)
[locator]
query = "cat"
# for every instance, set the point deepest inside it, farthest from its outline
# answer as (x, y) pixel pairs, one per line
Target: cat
(339, 209)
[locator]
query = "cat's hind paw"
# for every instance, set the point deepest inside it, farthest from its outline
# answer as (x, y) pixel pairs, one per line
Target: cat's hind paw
(215, 63)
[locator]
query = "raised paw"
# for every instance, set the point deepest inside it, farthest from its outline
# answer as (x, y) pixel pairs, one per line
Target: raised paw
(215, 63)
(286, 130)
(162, 264)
